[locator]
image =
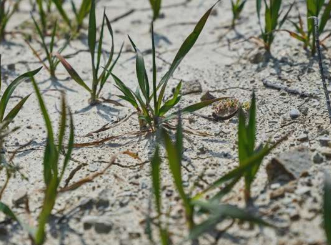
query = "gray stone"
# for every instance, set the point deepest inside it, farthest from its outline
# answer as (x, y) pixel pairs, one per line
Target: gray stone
(190, 87)
(318, 158)
(294, 113)
(102, 224)
(102, 200)
(324, 141)
(289, 166)
(302, 137)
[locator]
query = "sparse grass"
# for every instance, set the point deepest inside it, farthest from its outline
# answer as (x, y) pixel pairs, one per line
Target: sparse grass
(6, 12)
(307, 36)
(52, 171)
(237, 8)
(273, 20)
(193, 205)
(48, 48)
(98, 78)
(149, 103)
(250, 157)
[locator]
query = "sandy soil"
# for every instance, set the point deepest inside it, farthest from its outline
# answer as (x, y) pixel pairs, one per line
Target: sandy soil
(222, 58)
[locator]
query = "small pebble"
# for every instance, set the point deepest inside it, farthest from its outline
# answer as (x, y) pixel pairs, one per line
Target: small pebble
(318, 158)
(294, 113)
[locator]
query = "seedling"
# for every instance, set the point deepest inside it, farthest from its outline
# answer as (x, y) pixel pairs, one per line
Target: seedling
(327, 208)
(6, 120)
(52, 171)
(156, 7)
(48, 48)
(5, 14)
(237, 8)
(272, 23)
(151, 116)
(98, 80)
(250, 158)
(218, 213)
(307, 37)
(80, 13)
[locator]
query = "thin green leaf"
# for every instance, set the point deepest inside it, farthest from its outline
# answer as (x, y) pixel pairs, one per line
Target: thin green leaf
(13, 112)
(10, 89)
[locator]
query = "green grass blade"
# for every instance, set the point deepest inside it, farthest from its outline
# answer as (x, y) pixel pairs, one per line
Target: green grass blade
(156, 180)
(218, 214)
(51, 46)
(10, 89)
(51, 153)
(73, 74)
(186, 46)
(92, 39)
(156, 107)
(327, 208)
(156, 7)
(69, 147)
(258, 8)
(100, 45)
(13, 113)
(62, 12)
(141, 72)
(7, 211)
(171, 103)
(175, 165)
(325, 17)
(128, 94)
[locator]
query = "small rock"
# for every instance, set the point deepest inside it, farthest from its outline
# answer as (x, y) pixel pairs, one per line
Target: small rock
(210, 173)
(280, 192)
(19, 197)
(318, 158)
(294, 113)
(103, 198)
(190, 87)
(102, 224)
(324, 141)
(274, 186)
(169, 193)
(289, 166)
(302, 190)
(304, 110)
(326, 151)
(302, 137)
(259, 57)
(11, 67)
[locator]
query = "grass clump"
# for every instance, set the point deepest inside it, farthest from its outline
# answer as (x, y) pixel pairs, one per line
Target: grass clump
(237, 7)
(6, 12)
(149, 102)
(48, 48)
(52, 170)
(98, 78)
(193, 205)
(273, 20)
(307, 36)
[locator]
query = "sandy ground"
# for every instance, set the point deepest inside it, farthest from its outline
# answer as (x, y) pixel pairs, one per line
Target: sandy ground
(221, 59)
